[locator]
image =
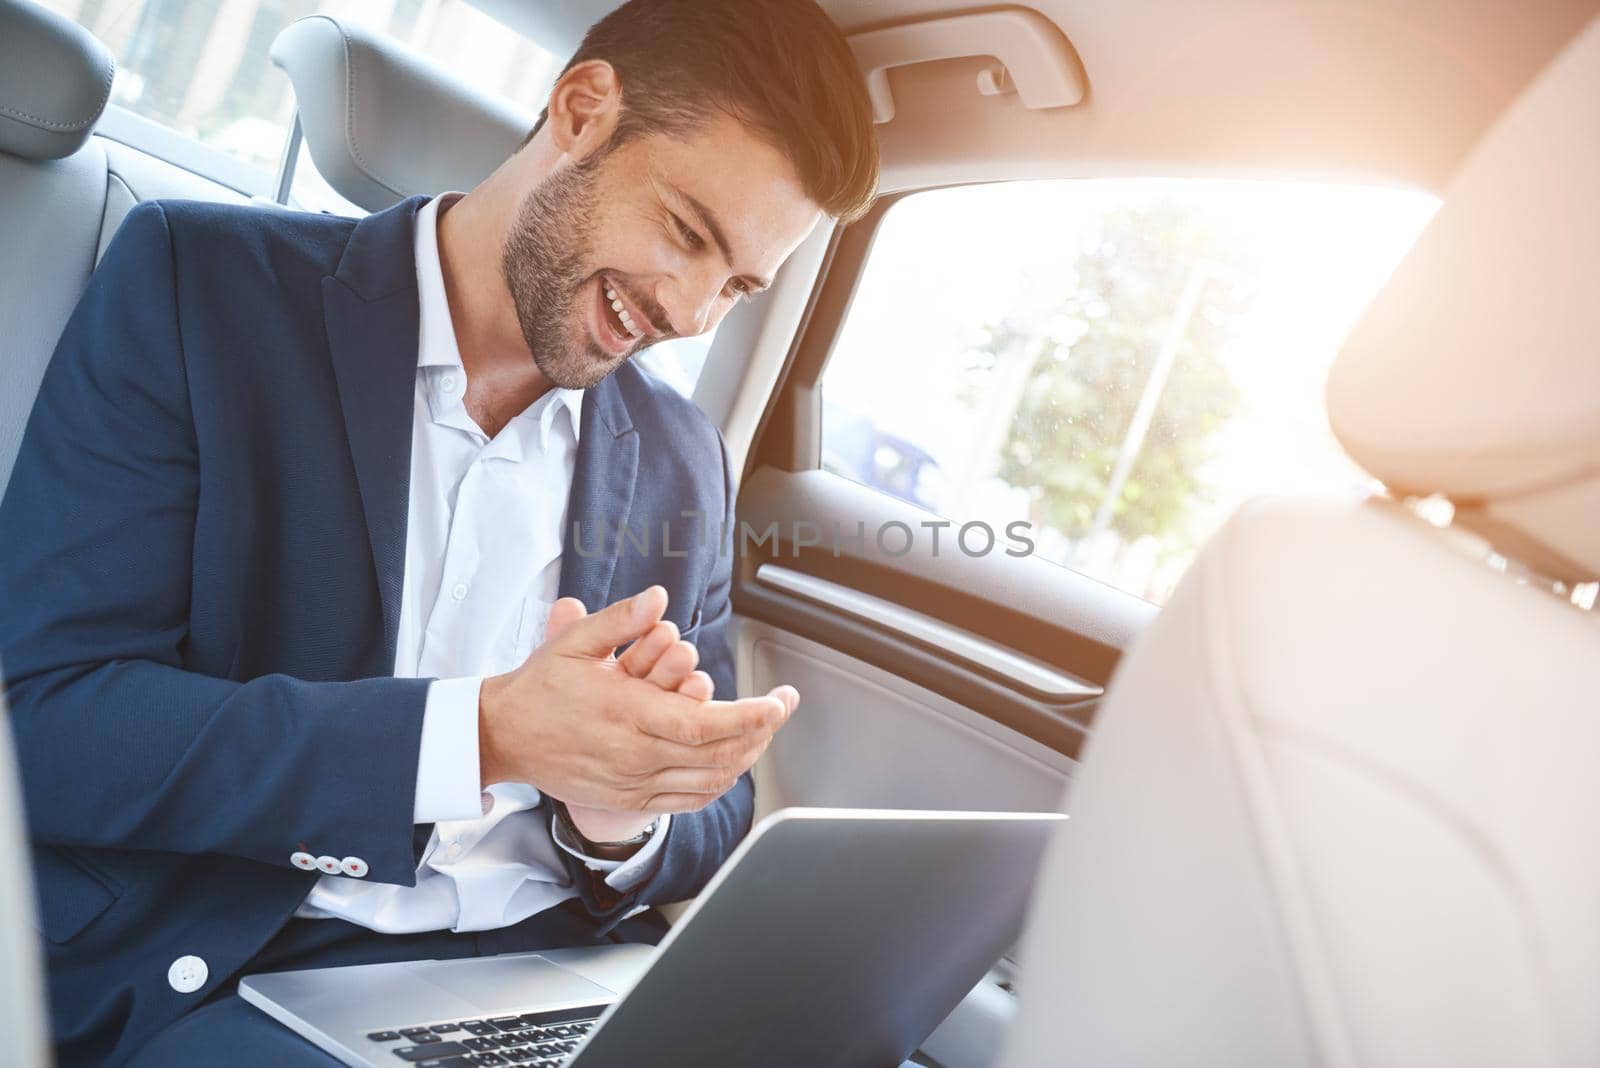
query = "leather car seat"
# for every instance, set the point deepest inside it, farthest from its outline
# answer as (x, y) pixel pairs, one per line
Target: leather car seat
(55, 79)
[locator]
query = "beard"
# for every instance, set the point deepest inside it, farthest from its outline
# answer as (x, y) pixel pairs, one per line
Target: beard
(545, 267)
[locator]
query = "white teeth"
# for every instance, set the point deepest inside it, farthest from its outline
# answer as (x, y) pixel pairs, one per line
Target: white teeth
(622, 313)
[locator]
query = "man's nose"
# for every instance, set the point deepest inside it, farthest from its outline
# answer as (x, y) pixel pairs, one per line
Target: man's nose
(689, 303)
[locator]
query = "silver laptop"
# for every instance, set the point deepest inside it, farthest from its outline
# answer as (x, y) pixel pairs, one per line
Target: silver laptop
(831, 937)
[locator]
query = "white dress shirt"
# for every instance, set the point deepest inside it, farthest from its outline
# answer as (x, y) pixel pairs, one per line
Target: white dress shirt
(483, 566)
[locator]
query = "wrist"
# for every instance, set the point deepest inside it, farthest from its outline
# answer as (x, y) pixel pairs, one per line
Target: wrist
(490, 769)
(604, 834)
(610, 827)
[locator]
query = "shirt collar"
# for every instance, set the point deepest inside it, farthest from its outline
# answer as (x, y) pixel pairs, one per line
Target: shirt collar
(436, 333)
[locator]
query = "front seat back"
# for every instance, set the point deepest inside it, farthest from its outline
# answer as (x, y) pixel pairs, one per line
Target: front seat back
(1340, 806)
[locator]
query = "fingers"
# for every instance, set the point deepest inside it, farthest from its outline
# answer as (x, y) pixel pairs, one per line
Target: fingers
(739, 752)
(673, 804)
(563, 614)
(674, 667)
(641, 657)
(699, 748)
(665, 661)
(698, 687)
(710, 782)
(675, 719)
(667, 804)
(616, 624)
(789, 696)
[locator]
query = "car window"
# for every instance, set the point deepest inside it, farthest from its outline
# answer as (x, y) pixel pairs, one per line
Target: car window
(1116, 363)
(201, 68)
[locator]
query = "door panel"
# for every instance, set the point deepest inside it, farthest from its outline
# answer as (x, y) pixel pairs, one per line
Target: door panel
(866, 738)
(1018, 641)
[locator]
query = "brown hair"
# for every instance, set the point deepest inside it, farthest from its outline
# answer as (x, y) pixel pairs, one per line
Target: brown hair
(780, 66)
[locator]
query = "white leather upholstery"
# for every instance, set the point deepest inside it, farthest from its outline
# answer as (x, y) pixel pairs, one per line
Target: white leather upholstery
(1337, 810)
(1339, 806)
(375, 115)
(55, 79)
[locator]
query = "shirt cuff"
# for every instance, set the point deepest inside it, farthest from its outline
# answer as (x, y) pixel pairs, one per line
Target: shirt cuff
(620, 874)
(448, 782)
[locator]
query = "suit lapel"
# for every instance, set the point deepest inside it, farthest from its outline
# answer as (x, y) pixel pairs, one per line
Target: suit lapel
(601, 501)
(370, 311)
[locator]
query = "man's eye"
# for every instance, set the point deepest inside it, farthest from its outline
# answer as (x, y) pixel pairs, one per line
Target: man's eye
(690, 238)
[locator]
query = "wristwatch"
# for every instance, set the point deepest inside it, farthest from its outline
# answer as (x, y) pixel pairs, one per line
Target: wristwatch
(599, 850)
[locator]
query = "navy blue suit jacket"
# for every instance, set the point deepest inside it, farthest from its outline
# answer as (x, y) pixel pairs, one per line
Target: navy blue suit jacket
(201, 557)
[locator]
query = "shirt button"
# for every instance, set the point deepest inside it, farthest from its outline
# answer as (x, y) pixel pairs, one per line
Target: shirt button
(354, 867)
(459, 591)
(330, 865)
(448, 383)
(454, 851)
(303, 861)
(187, 974)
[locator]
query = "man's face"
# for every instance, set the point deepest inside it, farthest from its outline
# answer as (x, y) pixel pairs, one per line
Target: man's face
(655, 239)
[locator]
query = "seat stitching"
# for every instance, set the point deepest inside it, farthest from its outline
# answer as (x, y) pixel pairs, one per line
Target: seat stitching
(350, 113)
(77, 124)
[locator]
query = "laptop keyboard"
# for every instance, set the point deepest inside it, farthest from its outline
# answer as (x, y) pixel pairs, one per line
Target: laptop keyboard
(535, 1039)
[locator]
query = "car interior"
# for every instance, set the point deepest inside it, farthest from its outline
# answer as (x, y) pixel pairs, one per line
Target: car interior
(1324, 463)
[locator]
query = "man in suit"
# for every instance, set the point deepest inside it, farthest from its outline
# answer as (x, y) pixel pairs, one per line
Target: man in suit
(300, 496)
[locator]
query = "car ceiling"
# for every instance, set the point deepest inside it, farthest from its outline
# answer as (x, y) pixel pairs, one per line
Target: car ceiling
(1379, 90)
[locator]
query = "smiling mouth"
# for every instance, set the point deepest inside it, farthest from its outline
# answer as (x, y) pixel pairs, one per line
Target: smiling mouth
(618, 316)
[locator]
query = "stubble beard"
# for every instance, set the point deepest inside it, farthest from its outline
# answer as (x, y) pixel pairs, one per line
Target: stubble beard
(545, 267)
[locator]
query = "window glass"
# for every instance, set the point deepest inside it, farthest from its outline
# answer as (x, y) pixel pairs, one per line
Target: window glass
(310, 191)
(1118, 363)
(201, 67)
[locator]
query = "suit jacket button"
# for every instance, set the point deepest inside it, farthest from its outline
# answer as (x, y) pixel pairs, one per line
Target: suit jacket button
(329, 864)
(187, 974)
(354, 866)
(303, 861)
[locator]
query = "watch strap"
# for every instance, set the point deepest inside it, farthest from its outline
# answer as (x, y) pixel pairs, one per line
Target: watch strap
(621, 850)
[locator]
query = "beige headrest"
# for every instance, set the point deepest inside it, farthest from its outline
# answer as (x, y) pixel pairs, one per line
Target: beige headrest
(1476, 372)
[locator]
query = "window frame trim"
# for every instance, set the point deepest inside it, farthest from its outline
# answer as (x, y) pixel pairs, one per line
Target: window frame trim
(151, 138)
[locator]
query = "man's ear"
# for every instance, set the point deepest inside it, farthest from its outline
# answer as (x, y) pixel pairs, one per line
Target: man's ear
(585, 105)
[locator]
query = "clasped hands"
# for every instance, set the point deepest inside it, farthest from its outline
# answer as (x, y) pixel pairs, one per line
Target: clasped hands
(624, 739)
